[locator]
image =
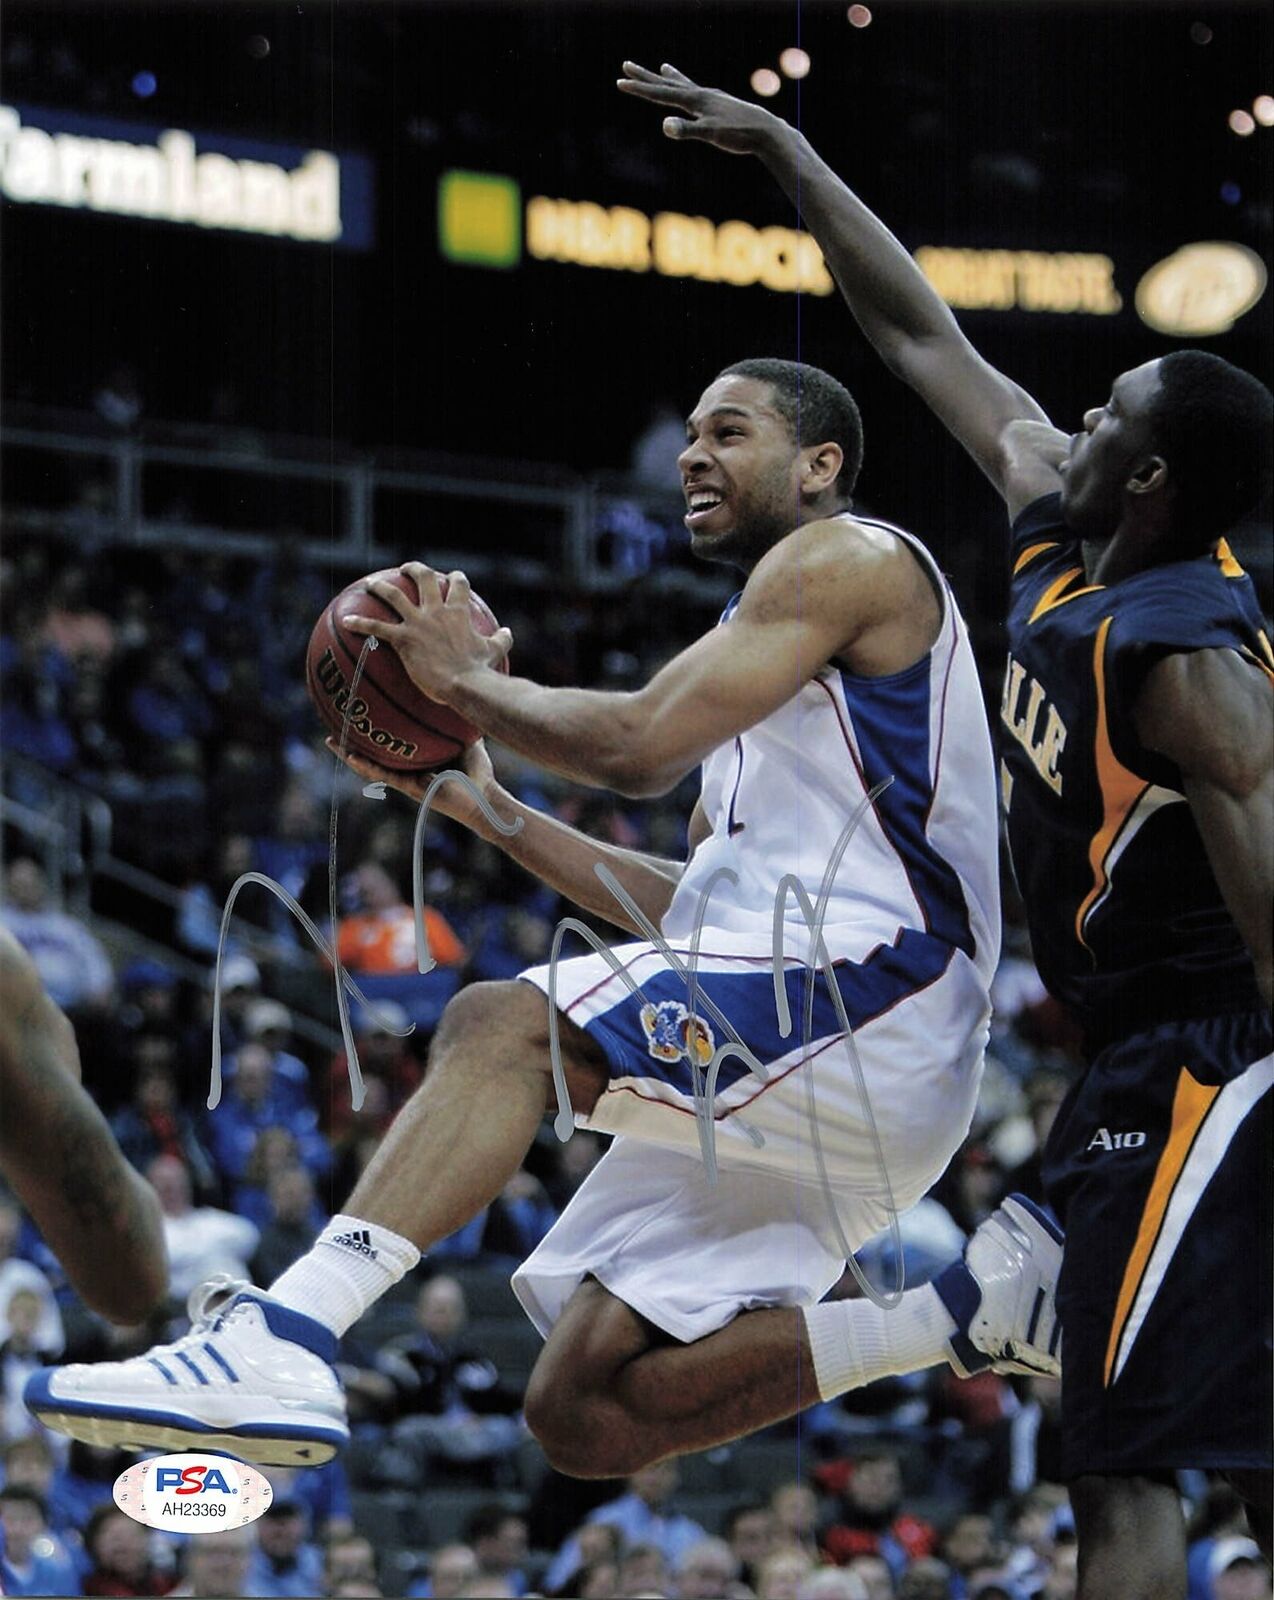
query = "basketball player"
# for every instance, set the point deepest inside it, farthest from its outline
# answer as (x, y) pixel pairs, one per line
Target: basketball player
(1137, 773)
(97, 1215)
(681, 1312)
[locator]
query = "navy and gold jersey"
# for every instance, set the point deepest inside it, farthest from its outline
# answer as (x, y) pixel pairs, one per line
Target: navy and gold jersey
(1127, 923)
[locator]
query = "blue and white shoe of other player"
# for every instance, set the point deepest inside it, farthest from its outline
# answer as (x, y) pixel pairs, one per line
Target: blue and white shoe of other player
(1002, 1294)
(252, 1378)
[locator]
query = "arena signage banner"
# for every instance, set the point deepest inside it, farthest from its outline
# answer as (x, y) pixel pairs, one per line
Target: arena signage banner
(483, 223)
(202, 180)
(1061, 281)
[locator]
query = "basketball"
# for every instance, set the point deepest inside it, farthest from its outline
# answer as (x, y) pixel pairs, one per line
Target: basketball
(387, 719)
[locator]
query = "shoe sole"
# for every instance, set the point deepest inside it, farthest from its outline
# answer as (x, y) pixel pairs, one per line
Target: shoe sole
(285, 1444)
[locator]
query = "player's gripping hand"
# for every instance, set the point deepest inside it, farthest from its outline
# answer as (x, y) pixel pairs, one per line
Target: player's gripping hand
(451, 800)
(710, 115)
(434, 636)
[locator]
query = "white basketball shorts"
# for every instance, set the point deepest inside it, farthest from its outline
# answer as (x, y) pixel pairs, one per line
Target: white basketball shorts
(809, 1158)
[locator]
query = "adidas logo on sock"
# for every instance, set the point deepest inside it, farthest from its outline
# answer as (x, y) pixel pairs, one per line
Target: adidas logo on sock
(360, 1241)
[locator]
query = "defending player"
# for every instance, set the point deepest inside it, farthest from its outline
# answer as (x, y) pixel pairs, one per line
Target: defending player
(1138, 779)
(842, 664)
(97, 1215)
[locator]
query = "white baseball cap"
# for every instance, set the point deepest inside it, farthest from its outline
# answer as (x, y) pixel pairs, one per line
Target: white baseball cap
(264, 1015)
(1225, 1552)
(237, 972)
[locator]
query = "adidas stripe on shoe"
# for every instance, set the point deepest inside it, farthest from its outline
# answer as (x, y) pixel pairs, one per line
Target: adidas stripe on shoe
(253, 1378)
(1002, 1294)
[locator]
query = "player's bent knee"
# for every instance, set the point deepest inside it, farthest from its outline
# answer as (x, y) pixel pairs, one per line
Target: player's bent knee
(581, 1434)
(578, 1445)
(511, 1023)
(506, 1013)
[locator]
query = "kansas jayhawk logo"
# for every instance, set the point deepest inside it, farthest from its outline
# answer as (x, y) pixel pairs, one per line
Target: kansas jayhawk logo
(671, 1033)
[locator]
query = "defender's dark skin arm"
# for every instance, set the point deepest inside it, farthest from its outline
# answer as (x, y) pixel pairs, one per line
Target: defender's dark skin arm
(98, 1216)
(1227, 765)
(893, 302)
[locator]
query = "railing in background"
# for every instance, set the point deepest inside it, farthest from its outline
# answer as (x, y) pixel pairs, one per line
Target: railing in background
(236, 492)
(70, 831)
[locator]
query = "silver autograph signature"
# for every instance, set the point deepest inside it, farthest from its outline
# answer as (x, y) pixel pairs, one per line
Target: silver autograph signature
(703, 1079)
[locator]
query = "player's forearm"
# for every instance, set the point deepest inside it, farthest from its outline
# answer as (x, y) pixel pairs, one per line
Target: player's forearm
(589, 736)
(888, 294)
(566, 860)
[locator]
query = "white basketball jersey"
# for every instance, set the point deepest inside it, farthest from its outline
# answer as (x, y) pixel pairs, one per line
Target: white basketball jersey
(920, 866)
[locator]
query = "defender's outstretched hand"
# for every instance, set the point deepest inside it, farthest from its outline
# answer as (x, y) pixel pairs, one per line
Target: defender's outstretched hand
(893, 302)
(710, 115)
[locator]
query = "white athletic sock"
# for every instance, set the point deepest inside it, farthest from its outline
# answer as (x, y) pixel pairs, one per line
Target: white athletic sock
(350, 1266)
(854, 1342)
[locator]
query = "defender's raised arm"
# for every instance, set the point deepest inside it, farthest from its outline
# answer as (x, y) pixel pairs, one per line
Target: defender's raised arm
(893, 302)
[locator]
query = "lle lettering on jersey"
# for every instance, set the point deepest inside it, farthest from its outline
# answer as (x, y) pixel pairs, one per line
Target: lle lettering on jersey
(1033, 721)
(1104, 1139)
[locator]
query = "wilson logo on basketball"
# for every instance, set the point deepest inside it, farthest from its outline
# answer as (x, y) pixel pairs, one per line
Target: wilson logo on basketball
(331, 680)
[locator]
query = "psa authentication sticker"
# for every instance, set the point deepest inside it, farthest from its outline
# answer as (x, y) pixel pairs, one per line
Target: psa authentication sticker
(192, 1493)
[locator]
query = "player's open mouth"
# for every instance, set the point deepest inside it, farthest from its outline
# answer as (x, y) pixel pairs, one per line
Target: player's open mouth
(703, 504)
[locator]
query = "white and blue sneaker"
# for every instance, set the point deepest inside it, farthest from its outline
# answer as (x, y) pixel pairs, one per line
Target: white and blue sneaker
(1002, 1294)
(252, 1378)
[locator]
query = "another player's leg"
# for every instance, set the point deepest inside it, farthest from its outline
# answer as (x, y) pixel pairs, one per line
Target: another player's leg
(1131, 1538)
(1164, 1295)
(611, 1393)
(256, 1375)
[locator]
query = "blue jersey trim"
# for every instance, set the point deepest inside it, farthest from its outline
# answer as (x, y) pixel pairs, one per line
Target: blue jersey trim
(890, 719)
(868, 989)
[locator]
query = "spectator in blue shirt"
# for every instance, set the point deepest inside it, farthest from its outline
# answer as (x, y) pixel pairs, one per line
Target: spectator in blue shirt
(34, 1562)
(498, 1538)
(642, 1517)
(72, 965)
(323, 1495)
(251, 1103)
(284, 1562)
(269, 1023)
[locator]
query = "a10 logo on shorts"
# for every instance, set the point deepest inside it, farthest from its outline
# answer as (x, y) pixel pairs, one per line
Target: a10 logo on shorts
(192, 1493)
(1105, 1139)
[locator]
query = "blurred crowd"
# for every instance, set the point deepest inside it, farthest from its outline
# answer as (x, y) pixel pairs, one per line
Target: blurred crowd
(170, 687)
